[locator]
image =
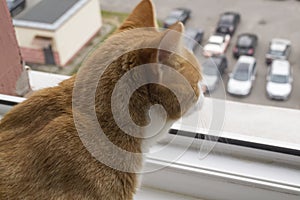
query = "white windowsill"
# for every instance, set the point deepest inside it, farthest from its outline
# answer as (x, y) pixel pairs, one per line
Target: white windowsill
(154, 194)
(224, 173)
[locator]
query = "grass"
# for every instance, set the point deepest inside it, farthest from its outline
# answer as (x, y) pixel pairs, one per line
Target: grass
(114, 19)
(120, 17)
(116, 15)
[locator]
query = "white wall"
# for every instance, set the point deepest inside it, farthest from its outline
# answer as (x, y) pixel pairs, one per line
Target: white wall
(78, 30)
(25, 36)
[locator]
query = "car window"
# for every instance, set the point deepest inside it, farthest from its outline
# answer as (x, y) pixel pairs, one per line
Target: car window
(242, 72)
(227, 19)
(244, 41)
(254, 68)
(216, 43)
(175, 14)
(277, 53)
(277, 78)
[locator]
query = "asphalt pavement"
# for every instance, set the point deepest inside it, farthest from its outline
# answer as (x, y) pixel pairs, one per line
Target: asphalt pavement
(266, 18)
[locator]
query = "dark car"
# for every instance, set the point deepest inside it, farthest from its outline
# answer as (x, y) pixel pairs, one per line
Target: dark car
(193, 37)
(177, 15)
(213, 68)
(15, 6)
(228, 23)
(246, 44)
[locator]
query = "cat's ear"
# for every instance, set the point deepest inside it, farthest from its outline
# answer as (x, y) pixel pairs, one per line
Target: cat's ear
(168, 43)
(142, 16)
(171, 42)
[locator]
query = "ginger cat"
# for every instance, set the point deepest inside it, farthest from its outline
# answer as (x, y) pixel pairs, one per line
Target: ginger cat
(41, 153)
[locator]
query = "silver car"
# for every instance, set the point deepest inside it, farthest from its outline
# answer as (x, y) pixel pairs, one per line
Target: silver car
(213, 68)
(193, 37)
(242, 78)
(279, 80)
(278, 49)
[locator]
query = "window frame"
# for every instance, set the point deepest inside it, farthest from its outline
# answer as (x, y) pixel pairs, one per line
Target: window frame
(189, 179)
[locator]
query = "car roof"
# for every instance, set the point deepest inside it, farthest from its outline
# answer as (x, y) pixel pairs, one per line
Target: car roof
(278, 44)
(176, 12)
(246, 59)
(246, 40)
(216, 39)
(280, 41)
(280, 67)
(227, 17)
(278, 47)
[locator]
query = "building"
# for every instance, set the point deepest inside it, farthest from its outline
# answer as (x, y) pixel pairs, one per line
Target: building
(13, 76)
(54, 31)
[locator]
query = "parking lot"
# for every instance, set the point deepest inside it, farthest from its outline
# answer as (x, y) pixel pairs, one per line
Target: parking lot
(266, 18)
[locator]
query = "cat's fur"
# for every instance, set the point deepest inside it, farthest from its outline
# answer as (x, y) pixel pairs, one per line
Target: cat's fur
(41, 154)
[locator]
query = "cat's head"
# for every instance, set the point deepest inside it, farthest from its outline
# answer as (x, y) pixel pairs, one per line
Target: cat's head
(175, 69)
(136, 68)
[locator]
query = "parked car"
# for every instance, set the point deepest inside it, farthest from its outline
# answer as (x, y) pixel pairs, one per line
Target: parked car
(246, 44)
(217, 45)
(15, 6)
(213, 68)
(243, 76)
(193, 38)
(178, 14)
(278, 49)
(228, 23)
(279, 80)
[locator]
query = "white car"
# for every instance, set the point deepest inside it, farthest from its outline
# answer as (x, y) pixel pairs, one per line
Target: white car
(242, 77)
(279, 80)
(217, 45)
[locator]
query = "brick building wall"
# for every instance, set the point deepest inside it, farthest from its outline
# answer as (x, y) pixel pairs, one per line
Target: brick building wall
(37, 56)
(11, 67)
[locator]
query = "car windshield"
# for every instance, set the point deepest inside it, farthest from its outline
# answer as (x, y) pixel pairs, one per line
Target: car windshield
(276, 52)
(277, 78)
(226, 20)
(242, 72)
(175, 14)
(244, 41)
(215, 43)
(213, 47)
